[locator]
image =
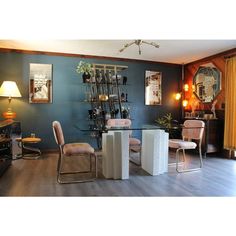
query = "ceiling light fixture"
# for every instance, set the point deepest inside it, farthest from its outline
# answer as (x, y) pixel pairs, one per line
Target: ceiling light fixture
(139, 42)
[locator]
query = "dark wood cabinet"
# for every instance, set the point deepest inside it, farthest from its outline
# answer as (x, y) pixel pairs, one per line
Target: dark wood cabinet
(9, 130)
(213, 136)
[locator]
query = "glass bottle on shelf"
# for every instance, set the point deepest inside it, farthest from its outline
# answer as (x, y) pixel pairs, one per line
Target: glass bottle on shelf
(109, 77)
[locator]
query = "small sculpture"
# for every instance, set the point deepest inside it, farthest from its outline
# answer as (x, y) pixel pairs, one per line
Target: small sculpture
(124, 80)
(122, 96)
(213, 109)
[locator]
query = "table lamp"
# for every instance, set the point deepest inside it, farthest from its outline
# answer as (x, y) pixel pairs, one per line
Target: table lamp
(9, 89)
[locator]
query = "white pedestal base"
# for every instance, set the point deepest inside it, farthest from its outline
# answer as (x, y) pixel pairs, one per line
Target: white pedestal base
(115, 148)
(154, 153)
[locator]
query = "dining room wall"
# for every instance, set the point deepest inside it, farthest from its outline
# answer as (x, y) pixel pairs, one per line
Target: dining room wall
(190, 70)
(69, 92)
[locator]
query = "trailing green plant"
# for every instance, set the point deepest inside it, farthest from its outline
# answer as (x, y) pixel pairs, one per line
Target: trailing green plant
(84, 67)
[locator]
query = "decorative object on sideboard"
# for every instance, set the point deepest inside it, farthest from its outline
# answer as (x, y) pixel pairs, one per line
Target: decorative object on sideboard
(213, 109)
(9, 89)
(139, 42)
(194, 106)
(40, 83)
(87, 70)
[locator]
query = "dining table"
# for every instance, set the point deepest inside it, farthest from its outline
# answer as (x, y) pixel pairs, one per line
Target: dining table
(115, 149)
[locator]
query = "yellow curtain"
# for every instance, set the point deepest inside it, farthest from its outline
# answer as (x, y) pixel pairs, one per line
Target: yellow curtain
(230, 105)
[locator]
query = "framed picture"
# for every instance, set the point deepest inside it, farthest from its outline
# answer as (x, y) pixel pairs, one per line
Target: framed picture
(152, 88)
(40, 83)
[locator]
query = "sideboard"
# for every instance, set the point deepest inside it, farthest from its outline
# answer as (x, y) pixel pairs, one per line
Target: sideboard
(213, 136)
(9, 130)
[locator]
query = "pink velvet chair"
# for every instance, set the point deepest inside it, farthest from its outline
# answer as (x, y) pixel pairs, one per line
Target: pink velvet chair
(69, 150)
(134, 143)
(192, 130)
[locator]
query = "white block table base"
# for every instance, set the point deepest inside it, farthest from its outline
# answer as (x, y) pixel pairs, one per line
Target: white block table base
(115, 148)
(154, 153)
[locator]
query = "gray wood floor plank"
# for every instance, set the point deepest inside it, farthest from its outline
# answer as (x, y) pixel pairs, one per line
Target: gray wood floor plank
(38, 178)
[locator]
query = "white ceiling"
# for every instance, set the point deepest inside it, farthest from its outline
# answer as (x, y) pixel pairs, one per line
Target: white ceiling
(172, 51)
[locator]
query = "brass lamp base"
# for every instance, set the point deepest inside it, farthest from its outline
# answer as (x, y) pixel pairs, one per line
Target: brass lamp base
(9, 115)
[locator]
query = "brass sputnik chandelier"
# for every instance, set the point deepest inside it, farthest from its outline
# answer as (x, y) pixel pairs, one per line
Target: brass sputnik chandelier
(138, 42)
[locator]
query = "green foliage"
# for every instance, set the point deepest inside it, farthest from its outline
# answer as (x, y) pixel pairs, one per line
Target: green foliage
(170, 125)
(165, 121)
(84, 67)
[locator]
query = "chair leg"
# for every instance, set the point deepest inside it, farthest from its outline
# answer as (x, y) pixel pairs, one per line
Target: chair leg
(184, 159)
(179, 162)
(200, 156)
(90, 164)
(96, 165)
(60, 172)
(187, 170)
(134, 162)
(58, 163)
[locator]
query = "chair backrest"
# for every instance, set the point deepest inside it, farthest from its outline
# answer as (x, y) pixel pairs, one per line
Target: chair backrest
(194, 129)
(119, 122)
(58, 133)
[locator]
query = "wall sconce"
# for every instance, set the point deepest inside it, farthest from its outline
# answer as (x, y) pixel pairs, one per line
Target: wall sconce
(186, 87)
(9, 89)
(177, 96)
(185, 103)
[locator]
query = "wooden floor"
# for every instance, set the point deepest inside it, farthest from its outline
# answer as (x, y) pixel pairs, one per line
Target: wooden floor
(38, 178)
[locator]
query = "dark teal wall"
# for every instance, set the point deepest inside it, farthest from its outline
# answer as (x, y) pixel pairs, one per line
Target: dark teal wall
(68, 91)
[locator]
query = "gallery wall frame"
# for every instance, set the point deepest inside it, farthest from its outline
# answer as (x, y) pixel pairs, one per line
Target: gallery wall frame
(153, 95)
(40, 83)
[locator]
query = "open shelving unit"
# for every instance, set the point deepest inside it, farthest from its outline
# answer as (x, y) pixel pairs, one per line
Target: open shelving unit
(106, 92)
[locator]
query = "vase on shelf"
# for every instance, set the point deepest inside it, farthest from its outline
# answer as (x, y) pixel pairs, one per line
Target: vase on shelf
(86, 77)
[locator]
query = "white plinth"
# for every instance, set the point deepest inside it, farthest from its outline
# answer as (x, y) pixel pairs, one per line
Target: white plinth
(155, 151)
(115, 148)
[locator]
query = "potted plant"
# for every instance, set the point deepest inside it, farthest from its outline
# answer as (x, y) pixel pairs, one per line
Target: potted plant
(86, 69)
(169, 124)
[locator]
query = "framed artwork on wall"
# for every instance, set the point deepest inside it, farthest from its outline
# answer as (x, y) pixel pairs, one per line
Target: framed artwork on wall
(40, 83)
(153, 88)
